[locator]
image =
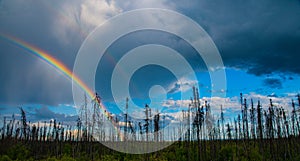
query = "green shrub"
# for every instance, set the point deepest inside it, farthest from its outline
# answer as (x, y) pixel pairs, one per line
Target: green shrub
(108, 158)
(5, 158)
(19, 152)
(226, 153)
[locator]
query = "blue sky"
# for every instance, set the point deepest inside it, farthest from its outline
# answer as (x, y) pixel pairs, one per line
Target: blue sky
(258, 42)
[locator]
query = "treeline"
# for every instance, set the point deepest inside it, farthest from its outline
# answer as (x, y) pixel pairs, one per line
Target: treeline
(269, 133)
(253, 122)
(258, 132)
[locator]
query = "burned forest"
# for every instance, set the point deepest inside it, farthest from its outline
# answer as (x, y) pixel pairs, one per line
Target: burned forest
(258, 132)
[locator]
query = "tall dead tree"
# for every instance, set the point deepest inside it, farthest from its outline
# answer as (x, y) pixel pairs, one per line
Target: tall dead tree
(246, 130)
(156, 127)
(209, 122)
(271, 119)
(294, 118)
(252, 120)
(97, 102)
(297, 122)
(141, 131)
(236, 129)
(228, 131)
(24, 122)
(79, 124)
(278, 122)
(223, 122)
(147, 112)
(239, 126)
(126, 119)
(132, 130)
(259, 121)
(243, 115)
(12, 125)
(85, 112)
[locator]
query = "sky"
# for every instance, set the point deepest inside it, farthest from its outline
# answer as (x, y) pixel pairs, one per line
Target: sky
(257, 40)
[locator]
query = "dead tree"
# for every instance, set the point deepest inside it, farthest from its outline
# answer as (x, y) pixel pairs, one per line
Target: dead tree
(223, 122)
(294, 118)
(156, 127)
(141, 131)
(271, 119)
(147, 121)
(286, 124)
(126, 119)
(239, 126)
(133, 131)
(243, 119)
(259, 121)
(79, 124)
(246, 130)
(252, 120)
(228, 130)
(24, 122)
(44, 131)
(278, 122)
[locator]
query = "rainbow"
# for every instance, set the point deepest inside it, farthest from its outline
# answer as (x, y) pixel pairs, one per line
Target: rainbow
(50, 60)
(59, 66)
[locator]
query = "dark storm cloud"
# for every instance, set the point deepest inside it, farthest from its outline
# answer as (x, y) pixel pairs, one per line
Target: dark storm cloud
(30, 80)
(35, 114)
(45, 113)
(144, 78)
(259, 36)
(272, 83)
(25, 78)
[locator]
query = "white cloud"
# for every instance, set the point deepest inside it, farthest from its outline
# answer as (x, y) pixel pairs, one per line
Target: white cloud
(95, 12)
(284, 102)
(232, 104)
(176, 103)
(182, 85)
(82, 16)
(137, 113)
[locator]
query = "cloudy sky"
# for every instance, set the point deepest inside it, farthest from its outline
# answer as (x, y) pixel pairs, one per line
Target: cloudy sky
(257, 40)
